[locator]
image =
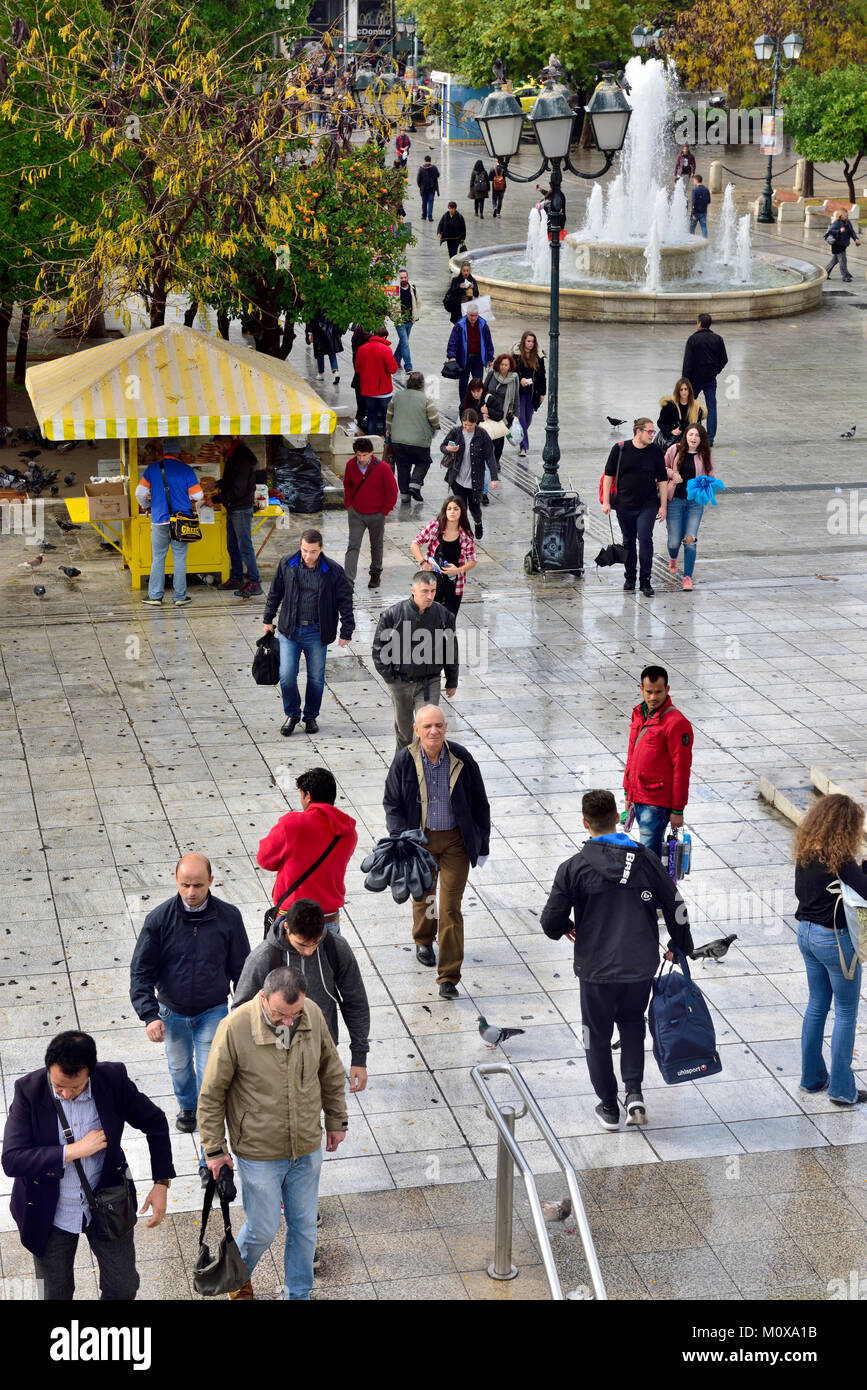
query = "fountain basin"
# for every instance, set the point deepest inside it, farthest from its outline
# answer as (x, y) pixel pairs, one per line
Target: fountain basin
(799, 289)
(598, 260)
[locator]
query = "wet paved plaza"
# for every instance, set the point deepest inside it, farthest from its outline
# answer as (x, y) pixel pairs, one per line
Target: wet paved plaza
(128, 737)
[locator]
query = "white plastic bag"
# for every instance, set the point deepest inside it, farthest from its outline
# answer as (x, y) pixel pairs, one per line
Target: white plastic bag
(516, 433)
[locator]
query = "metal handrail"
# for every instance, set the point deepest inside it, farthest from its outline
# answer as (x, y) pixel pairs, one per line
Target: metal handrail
(508, 1142)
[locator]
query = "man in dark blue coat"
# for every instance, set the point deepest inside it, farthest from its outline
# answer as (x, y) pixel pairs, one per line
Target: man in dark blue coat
(189, 951)
(49, 1204)
(471, 346)
(437, 787)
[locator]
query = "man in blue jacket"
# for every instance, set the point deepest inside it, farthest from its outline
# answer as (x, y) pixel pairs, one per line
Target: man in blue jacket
(183, 489)
(311, 592)
(437, 787)
(471, 346)
(189, 951)
(700, 205)
(49, 1204)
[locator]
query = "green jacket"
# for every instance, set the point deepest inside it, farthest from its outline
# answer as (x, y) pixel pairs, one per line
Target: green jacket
(411, 418)
(270, 1099)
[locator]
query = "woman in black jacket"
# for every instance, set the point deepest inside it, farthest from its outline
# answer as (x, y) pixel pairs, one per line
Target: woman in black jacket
(530, 366)
(467, 478)
(452, 229)
(327, 342)
(828, 852)
(463, 287)
(480, 187)
(678, 411)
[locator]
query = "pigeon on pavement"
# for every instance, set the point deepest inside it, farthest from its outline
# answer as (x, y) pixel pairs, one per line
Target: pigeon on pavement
(70, 571)
(33, 564)
(39, 590)
(849, 434)
(492, 1036)
(614, 423)
(713, 950)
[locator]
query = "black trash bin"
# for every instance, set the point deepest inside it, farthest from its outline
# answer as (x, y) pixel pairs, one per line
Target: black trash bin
(557, 546)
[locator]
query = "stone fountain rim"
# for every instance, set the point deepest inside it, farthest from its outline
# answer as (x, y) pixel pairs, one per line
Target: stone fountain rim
(676, 248)
(812, 274)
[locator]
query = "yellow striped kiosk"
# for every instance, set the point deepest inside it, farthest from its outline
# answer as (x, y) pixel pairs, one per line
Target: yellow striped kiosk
(163, 382)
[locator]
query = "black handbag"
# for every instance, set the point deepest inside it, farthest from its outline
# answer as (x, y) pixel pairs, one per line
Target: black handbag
(274, 912)
(451, 371)
(612, 554)
(224, 1271)
(112, 1209)
(183, 526)
(266, 660)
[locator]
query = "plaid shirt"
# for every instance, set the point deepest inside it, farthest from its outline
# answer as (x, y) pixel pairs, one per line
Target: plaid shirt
(430, 538)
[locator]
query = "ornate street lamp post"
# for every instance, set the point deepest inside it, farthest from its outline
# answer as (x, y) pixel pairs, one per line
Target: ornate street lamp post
(766, 51)
(553, 122)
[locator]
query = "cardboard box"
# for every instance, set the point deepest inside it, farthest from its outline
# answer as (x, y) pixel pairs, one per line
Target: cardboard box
(106, 501)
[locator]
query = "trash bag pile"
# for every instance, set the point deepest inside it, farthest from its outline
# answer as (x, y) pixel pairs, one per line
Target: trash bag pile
(298, 479)
(402, 863)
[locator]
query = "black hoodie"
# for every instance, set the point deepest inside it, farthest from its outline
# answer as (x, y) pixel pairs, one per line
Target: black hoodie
(613, 890)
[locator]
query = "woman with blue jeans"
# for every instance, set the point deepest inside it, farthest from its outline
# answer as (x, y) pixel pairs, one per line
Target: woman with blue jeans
(826, 845)
(688, 459)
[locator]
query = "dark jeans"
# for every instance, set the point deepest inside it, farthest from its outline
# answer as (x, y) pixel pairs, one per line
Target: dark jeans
(376, 411)
(474, 367)
(525, 415)
(446, 595)
(427, 202)
(709, 389)
(239, 540)
(473, 507)
(306, 640)
(637, 523)
(118, 1278)
(602, 1006)
(497, 199)
(498, 447)
(412, 462)
(479, 206)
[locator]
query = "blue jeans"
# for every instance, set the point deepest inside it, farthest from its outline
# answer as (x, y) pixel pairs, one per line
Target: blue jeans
(264, 1185)
(636, 524)
(683, 519)
(306, 640)
(239, 540)
(701, 219)
(709, 389)
(188, 1042)
(818, 946)
(377, 407)
(651, 822)
(401, 353)
(159, 551)
(332, 362)
(427, 202)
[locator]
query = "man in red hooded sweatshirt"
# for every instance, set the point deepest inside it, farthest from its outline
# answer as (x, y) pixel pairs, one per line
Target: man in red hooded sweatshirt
(300, 837)
(656, 780)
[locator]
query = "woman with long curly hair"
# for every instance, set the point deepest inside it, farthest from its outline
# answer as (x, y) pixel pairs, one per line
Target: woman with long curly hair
(530, 366)
(449, 541)
(684, 461)
(828, 847)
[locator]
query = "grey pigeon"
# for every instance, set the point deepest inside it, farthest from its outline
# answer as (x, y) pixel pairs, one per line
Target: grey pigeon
(849, 434)
(499, 70)
(492, 1036)
(713, 950)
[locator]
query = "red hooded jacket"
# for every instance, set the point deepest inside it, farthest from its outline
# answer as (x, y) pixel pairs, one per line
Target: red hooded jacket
(297, 841)
(659, 757)
(375, 365)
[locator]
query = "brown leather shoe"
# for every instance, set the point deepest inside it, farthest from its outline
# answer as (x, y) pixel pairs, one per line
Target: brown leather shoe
(245, 1293)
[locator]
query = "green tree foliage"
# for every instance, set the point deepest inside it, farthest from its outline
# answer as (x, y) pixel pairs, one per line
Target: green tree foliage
(826, 113)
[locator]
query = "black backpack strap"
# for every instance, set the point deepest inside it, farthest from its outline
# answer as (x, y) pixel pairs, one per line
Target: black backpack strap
(206, 1210)
(166, 487)
(329, 946)
(307, 872)
(275, 958)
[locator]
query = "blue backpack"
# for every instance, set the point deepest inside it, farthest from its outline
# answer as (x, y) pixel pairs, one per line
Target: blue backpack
(684, 1043)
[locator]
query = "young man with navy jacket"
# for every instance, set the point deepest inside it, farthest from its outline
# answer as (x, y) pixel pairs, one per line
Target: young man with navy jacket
(605, 899)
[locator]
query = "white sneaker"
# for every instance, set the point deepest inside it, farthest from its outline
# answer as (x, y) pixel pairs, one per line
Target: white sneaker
(635, 1111)
(320, 376)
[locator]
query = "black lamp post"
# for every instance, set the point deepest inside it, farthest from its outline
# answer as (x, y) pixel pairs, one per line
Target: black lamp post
(554, 122)
(766, 51)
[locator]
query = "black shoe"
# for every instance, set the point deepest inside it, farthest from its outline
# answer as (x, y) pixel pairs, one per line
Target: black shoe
(425, 955)
(310, 726)
(609, 1119)
(373, 581)
(860, 1097)
(288, 727)
(635, 1111)
(629, 586)
(448, 990)
(232, 583)
(479, 530)
(647, 589)
(415, 492)
(186, 1121)
(250, 590)
(486, 501)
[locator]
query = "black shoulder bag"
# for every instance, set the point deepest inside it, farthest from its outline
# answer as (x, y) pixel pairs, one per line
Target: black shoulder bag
(612, 554)
(225, 1271)
(183, 526)
(111, 1208)
(274, 912)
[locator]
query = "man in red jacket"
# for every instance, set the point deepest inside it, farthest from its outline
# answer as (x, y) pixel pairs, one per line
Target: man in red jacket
(300, 837)
(656, 780)
(370, 492)
(376, 366)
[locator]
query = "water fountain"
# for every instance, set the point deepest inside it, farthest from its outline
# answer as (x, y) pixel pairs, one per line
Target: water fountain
(633, 257)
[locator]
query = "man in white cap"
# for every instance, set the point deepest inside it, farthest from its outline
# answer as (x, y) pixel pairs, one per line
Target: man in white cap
(166, 487)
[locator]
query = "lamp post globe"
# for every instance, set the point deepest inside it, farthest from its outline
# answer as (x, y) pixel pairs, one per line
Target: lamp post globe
(501, 121)
(609, 114)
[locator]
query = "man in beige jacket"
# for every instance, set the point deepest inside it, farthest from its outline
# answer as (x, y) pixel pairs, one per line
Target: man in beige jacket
(271, 1071)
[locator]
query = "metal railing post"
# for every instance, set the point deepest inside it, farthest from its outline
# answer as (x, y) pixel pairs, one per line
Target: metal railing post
(502, 1267)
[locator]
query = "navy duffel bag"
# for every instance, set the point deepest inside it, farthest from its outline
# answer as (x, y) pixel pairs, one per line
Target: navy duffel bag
(684, 1042)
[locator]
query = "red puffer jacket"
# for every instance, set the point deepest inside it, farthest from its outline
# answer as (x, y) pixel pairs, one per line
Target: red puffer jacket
(375, 365)
(659, 757)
